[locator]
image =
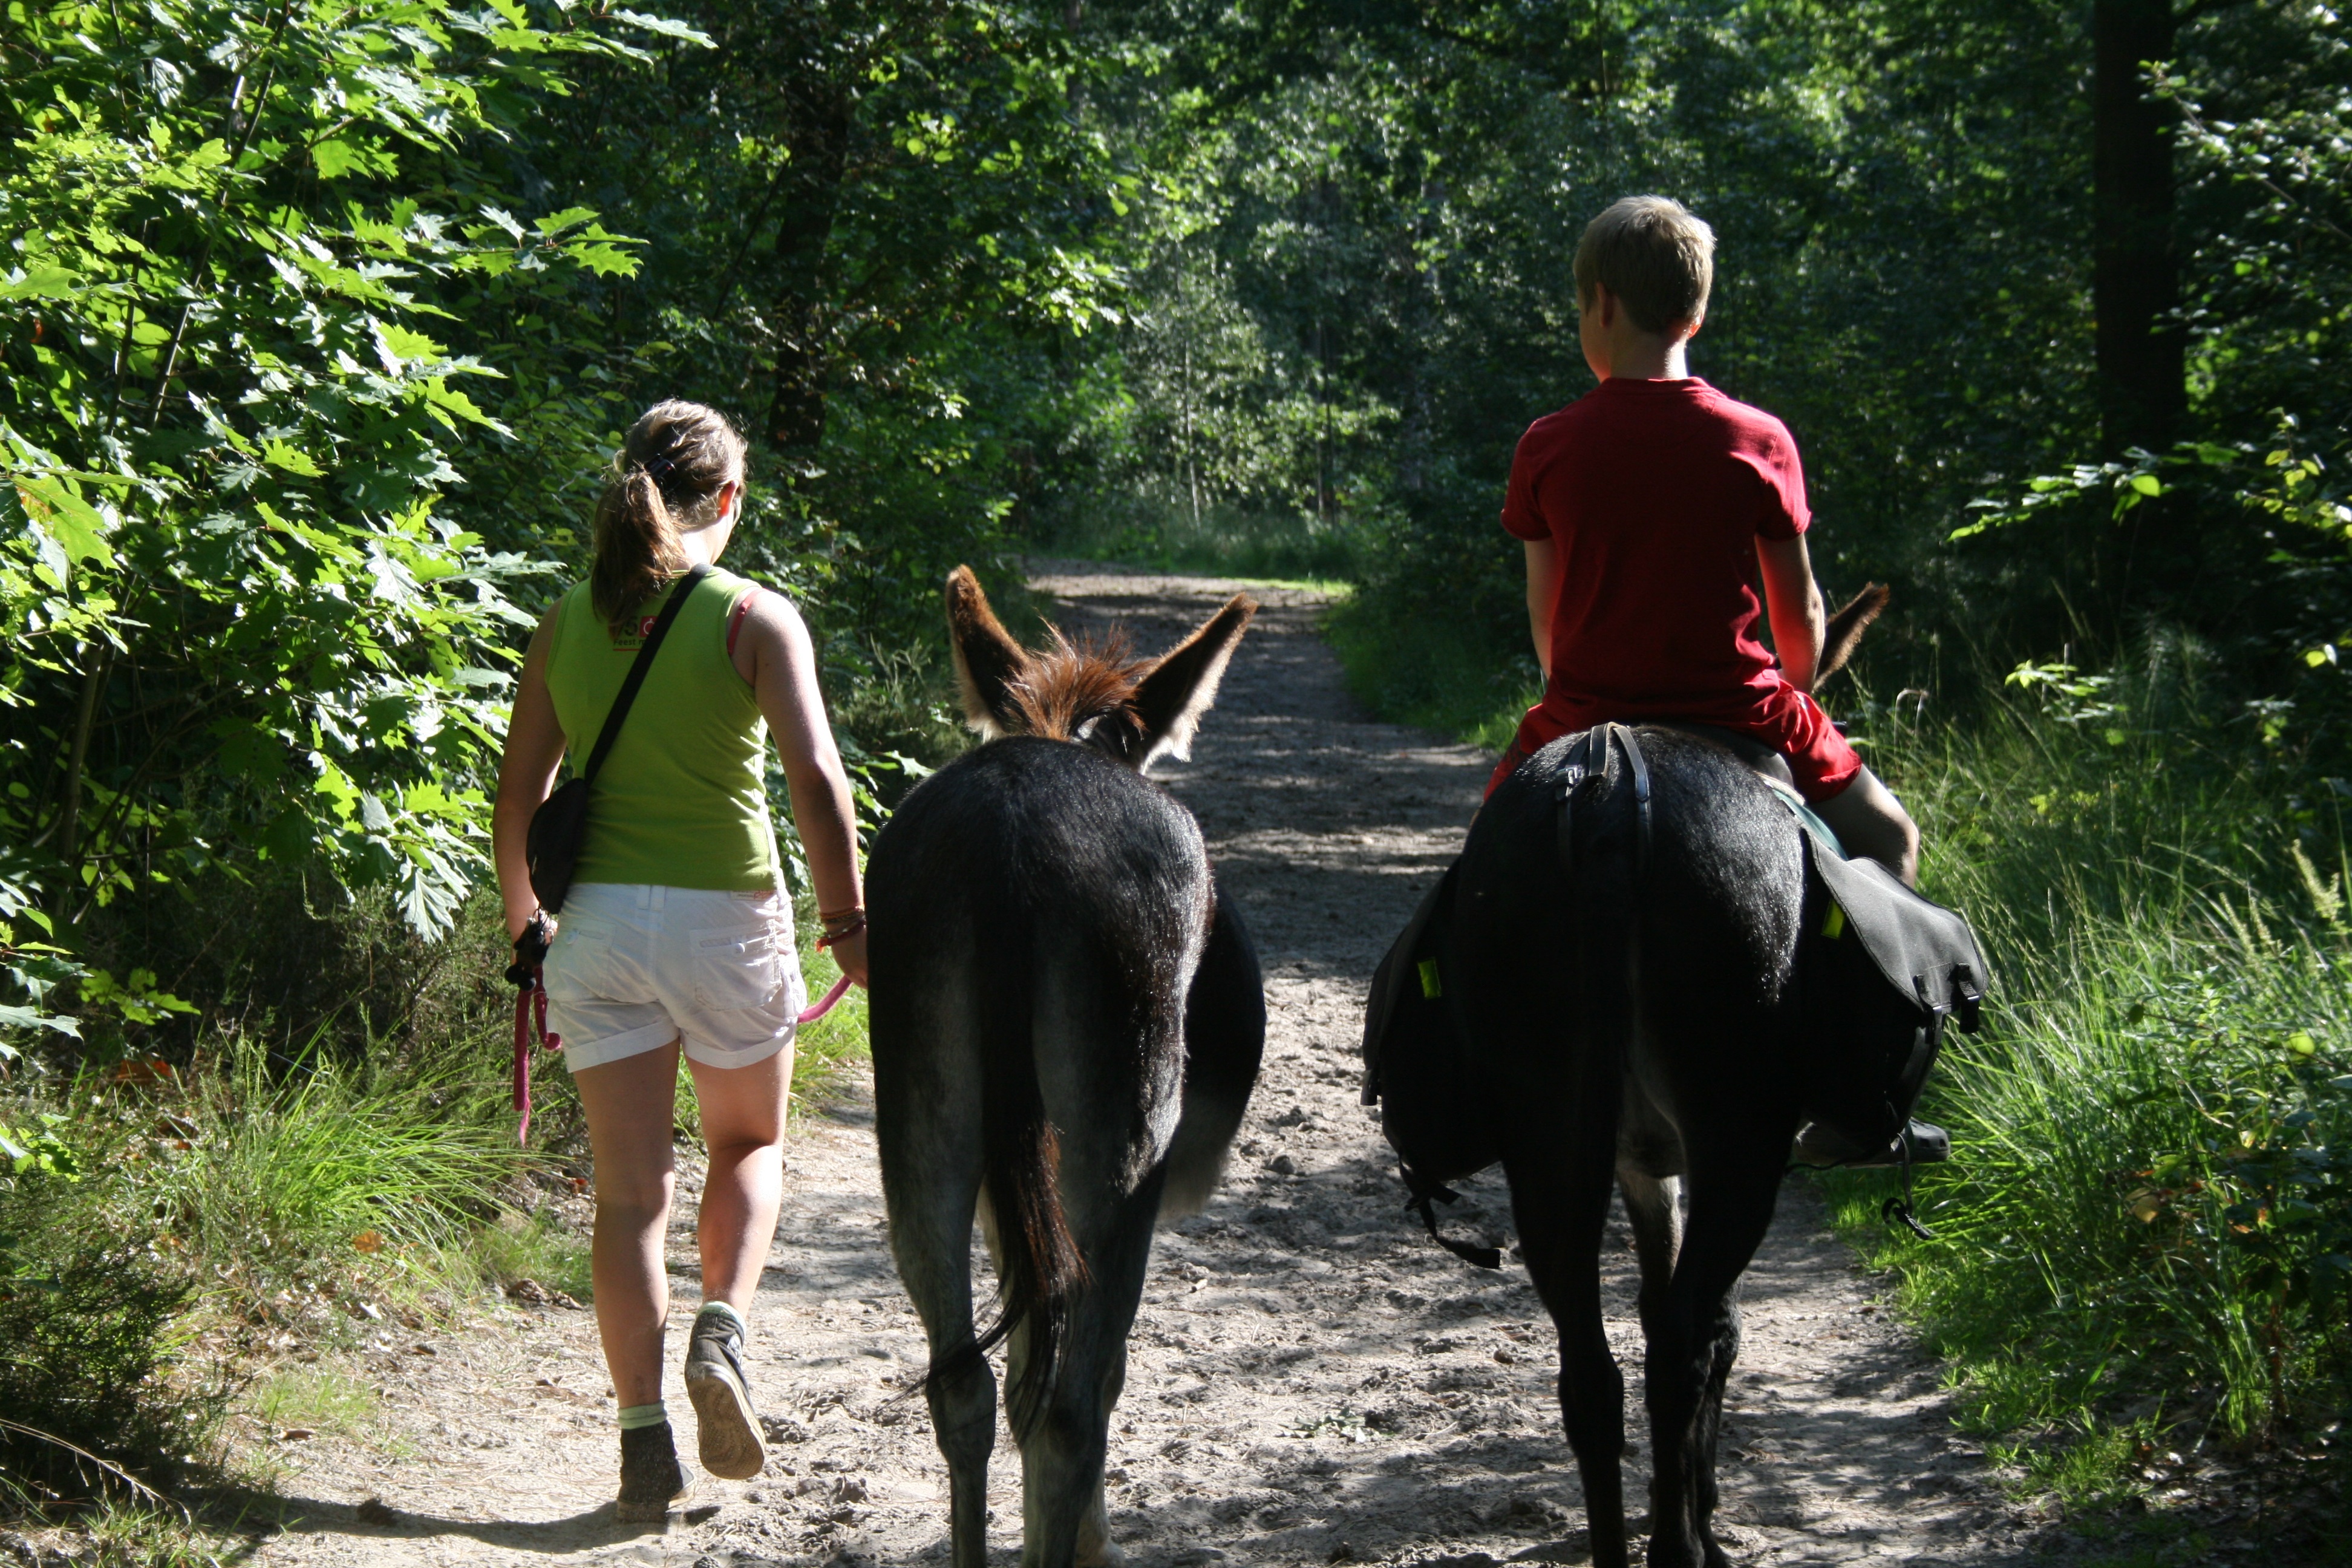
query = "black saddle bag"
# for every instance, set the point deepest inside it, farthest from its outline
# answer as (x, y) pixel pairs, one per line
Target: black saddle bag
(1881, 971)
(1436, 1108)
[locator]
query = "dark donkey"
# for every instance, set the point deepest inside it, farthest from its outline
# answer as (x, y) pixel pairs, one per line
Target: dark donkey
(1066, 1021)
(1623, 947)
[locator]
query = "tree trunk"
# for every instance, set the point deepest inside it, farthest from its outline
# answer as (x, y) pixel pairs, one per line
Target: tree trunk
(2136, 269)
(820, 148)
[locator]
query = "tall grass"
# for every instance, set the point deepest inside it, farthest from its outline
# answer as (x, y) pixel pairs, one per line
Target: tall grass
(2146, 1221)
(1437, 674)
(333, 1162)
(1165, 532)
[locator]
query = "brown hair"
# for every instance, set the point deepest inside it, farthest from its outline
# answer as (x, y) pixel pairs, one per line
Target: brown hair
(667, 477)
(1652, 254)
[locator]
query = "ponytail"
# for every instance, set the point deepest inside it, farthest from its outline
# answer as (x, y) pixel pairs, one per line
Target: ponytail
(637, 548)
(672, 465)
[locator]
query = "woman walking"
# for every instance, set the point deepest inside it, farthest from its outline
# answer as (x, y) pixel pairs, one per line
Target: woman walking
(675, 934)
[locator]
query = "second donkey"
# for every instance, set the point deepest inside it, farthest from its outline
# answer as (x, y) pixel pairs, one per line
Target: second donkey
(1067, 1022)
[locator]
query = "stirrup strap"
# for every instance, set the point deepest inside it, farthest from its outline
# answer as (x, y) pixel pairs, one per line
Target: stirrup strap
(1476, 1256)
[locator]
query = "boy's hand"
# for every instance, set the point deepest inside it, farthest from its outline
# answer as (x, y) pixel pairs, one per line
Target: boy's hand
(1793, 601)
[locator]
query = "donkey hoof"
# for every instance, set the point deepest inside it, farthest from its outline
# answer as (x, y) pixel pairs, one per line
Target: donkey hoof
(1100, 1554)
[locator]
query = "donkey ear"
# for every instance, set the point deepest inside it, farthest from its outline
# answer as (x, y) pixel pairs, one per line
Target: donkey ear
(987, 660)
(1172, 697)
(1846, 628)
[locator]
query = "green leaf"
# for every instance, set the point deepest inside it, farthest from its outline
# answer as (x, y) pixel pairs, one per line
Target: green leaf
(16, 1017)
(666, 27)
(75, 524)
(47, 281)
(555, 224)
(441, 394)
(401, 347)
(335, 158)
(284, 455)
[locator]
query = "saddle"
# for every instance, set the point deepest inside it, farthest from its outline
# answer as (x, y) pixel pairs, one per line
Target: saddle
(1880, 973)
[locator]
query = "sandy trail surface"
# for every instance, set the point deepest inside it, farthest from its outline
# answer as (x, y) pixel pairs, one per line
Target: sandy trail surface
(1311, 1382)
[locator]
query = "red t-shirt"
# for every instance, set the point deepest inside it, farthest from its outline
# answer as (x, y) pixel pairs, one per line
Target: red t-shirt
(1655, 492)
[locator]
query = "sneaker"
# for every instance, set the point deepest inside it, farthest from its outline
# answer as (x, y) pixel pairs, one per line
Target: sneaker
(1820, 1145)
(652, 1482)
(731, 1447)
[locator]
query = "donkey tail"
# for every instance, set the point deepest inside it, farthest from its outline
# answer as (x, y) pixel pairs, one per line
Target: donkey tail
(1039, 1266)
(1604, 833)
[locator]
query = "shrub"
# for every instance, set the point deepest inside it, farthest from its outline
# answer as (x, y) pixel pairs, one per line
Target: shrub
(89, 1334)
(2144, 1218)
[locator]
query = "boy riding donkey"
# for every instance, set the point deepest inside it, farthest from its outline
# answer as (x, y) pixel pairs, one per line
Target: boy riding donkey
(1648, 509)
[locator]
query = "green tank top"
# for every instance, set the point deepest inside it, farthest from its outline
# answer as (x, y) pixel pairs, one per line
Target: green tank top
(682, 800)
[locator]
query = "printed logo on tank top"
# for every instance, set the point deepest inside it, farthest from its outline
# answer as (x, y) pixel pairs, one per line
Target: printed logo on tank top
(630, 639)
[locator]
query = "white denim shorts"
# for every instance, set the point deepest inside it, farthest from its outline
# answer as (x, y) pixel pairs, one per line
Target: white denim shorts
(634, 967)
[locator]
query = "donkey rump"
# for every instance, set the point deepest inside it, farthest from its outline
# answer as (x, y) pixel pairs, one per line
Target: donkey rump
(1880, 970)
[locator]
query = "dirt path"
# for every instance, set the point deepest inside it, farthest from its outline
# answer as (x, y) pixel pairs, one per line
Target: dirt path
(1311, 1381)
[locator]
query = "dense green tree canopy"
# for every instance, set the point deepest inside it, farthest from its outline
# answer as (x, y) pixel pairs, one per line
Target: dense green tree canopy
(320, 319)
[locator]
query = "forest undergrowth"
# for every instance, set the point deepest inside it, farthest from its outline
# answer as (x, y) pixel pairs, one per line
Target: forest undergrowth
(189, 1249)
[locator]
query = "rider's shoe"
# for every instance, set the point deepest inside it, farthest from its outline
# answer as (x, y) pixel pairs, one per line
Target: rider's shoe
(652, 1482)
(731, 1447)
(1820, 1145)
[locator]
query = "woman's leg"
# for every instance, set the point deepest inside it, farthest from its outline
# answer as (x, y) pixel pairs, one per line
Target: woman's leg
(743, 1127)
(629, 1107)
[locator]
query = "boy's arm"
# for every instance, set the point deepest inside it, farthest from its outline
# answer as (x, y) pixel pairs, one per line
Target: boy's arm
(1793, 601)
(1543, 591)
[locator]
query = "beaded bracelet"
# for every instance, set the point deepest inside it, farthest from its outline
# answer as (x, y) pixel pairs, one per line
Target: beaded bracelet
(853, 929)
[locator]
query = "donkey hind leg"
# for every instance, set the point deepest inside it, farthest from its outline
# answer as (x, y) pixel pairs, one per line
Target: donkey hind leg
(1561, 1207)
(1065, 1523)
(1691, 1348)
(1653, 1208)
(1095, 1548)
(931, 1214)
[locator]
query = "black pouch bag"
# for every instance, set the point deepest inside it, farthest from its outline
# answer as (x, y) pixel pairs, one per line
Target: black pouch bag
(560, 827)
(1882, 970)
(1419, 1070)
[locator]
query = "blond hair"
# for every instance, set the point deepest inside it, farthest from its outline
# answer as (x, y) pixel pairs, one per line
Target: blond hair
(1654, 256)
(666, 478)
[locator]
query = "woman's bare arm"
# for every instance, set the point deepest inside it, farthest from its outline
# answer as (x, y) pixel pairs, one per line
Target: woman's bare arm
(534, 750)
(773, 651)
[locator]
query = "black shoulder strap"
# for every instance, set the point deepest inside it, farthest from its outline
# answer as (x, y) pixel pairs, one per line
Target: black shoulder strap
(636, 676)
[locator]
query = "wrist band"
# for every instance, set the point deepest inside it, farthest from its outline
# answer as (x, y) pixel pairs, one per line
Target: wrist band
(827, 917)
(843, 934)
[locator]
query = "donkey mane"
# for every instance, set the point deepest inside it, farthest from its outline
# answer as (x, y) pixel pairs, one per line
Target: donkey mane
(1068, 685)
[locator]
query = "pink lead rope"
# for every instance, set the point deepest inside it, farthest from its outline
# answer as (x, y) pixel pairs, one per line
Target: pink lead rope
(840, 986)
(824, 1004)
(530, 1011)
